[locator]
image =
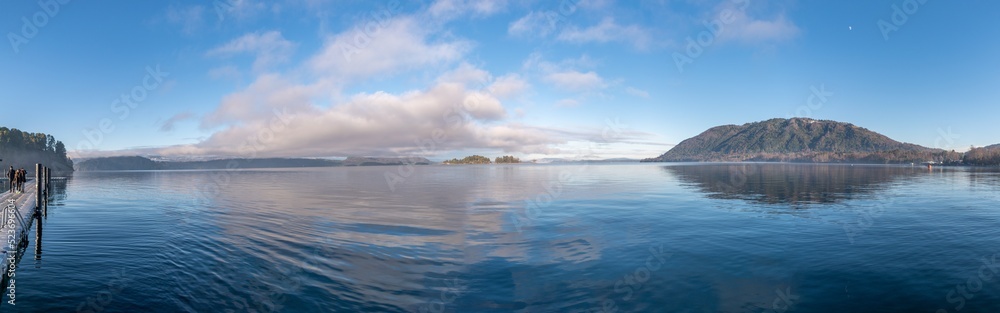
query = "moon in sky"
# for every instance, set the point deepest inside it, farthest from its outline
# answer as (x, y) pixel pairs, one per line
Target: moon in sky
(850, 28)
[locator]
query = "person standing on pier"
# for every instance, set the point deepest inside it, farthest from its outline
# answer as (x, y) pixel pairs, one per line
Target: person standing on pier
(17, 180)
(24, 178)
(21, 178)
(11, 178)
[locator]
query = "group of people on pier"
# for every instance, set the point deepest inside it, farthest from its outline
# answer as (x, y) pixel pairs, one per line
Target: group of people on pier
(17, 178)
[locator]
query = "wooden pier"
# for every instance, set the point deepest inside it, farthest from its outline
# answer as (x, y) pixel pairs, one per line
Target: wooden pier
(20, 211)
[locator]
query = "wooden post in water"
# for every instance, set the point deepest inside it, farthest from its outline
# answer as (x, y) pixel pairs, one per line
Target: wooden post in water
(45, 178)
(38, 237)
(38, 184)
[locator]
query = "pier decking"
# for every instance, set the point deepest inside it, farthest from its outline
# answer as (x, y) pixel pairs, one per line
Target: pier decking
(20, 210)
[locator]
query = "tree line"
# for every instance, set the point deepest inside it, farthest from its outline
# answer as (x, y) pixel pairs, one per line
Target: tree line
(983, 156)
(24, 149)
(478, 159)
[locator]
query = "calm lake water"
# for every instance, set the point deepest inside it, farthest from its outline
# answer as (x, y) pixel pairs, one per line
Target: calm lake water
(521, 238)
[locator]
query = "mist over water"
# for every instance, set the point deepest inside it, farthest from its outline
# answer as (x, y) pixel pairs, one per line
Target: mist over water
(522, 238)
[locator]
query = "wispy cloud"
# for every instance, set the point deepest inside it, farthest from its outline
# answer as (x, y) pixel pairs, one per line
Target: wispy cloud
(534, 24)
(270, 48)
(224, 72)
(239, 9)
(567, 103)
(403, 44)
(746, 28)
(189, 18)
(450, 9)
(576, 81)
(608, 31)
(171, 122)
(637, 92)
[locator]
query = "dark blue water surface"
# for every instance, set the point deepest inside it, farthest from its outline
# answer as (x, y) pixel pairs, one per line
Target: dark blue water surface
(521, 238)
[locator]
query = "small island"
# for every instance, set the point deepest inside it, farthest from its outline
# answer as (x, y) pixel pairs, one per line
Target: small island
(507, 159)
(478, 159)
(472, 159)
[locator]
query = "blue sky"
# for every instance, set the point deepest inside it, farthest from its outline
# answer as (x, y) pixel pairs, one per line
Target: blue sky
(447, 78)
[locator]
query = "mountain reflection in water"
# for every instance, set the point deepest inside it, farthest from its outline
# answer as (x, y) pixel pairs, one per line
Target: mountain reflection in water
(777, 183)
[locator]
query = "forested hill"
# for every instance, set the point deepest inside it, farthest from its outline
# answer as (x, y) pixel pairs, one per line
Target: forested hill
(799, 140)
(24, 149)
(988, 155)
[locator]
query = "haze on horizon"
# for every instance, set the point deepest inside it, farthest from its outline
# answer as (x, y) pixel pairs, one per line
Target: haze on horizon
(449, 78)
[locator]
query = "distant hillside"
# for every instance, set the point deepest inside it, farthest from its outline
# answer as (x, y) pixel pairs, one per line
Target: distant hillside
(372, 161)
(989, 155)
(24, 149)
(132, 163)
(799, 140)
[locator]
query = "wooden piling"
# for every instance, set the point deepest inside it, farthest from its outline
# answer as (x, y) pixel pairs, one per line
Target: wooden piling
(38, 184)
(38, 237)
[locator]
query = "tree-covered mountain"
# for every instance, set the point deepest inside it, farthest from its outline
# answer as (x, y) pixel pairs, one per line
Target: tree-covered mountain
(989, 155)
(800, 140)
(24, 149)
(134, 163)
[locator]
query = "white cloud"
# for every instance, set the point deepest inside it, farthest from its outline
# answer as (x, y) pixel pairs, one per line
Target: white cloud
(302, 111)
(637, 92)
(397, 45)
(451, 9)
(268, 93)
(239, 9)
(576, 81)
(189, 18)
(466, 74)
(741, 27)
(509, 86)
(567, 103)
(224, 72)
(379, 123)
(534, 24)
(607, 31)
(270, 48)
